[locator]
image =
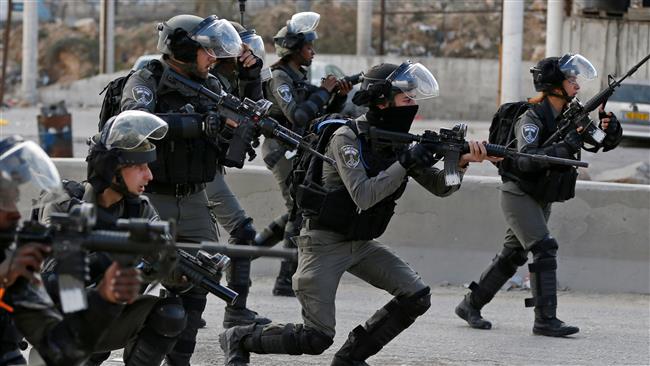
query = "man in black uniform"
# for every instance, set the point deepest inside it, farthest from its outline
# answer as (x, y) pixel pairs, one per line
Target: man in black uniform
(187, 156)
(529, 189)
(295, 103)
(25, 172)
(118, 173)
(339, 231)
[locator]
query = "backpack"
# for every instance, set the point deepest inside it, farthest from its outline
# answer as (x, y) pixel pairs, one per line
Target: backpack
(113, 96)
(502, 127)
(308, 169)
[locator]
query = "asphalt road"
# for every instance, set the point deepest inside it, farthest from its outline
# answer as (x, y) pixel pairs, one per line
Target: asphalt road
(84, 124)
(614, 330)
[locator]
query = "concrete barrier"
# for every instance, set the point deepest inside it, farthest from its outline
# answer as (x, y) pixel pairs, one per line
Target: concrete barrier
(604, 233)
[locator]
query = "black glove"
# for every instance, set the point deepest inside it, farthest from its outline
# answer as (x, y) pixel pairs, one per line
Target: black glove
(212, 124)
(614, 124)
(573, 140)
(416, 157)
(252, 72)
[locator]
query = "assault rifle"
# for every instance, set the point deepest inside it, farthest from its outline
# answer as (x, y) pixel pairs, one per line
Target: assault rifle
(577, 115)
(251, 117)
(450, 144)
(149, 245)
(71, 236)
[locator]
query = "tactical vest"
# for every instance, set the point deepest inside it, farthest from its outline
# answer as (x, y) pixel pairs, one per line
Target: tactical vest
(178, 160)
(334, 210)
(553, 184)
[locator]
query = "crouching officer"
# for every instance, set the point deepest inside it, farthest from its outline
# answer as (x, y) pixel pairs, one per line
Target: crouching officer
(187, 156)
(239, 76)
(295, 103)
(363, 187)
(25, 172)
(529, 189)
(118, 173)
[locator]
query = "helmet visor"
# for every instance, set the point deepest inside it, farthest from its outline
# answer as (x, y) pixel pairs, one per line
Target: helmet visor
(26, 173)
(415, 81)
(577, 65)
(221, 37)
(131, 128)
(255, 43)
(303, 22)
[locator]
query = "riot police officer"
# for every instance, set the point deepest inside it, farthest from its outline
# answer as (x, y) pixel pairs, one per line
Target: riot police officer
(240, 77)
(295, 103)
(25, 172)
(118, 173)
(361, 190)
(530, 188)
(187, 156)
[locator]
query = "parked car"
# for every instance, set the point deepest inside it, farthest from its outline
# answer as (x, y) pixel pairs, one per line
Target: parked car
(631, 104)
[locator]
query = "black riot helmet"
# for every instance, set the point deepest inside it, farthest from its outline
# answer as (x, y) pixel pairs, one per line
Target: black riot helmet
(28, 177)
(383, 81)
(122, 142)
(300, 29)
(550, 72)
(182, 35)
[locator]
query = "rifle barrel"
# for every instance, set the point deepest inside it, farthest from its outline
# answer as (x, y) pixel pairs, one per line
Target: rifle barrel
(245, 251)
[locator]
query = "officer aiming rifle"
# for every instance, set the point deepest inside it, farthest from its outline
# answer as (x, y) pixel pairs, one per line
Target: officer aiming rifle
(577, 114)
(451, 144)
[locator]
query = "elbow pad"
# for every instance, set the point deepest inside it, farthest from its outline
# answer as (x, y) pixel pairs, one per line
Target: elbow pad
(183, 125)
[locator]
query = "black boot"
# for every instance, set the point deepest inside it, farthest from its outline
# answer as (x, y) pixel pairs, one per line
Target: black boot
(230, 342)
(365, 341)
(503, 266)
(543, 284)
(283, 283)
(10, 340)
(238, 277)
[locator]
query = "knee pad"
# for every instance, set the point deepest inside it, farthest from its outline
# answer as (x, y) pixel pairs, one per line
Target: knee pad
(244, 233)
(416, 304)
(312, 341)
(511, 259)
(545, 248)
(168, 317)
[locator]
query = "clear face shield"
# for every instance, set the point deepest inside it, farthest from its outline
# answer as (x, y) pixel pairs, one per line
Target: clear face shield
(28, 179)
(256, 44)
(218, 37)
(415, 81)
(130, 128)
(303, 22)
(574, 66)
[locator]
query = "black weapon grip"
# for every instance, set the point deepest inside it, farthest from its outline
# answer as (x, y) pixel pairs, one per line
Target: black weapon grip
(492, 149)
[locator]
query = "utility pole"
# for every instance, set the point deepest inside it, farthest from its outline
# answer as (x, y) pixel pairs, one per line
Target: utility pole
(382, 25)
(30, 51)
(5, 52)
(107, 37)
(364, 27)
(512, 36)
(554, 21)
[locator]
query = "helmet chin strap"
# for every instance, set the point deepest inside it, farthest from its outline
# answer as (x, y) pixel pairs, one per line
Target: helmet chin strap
(120, 186)
(188, 68)
(564, 95)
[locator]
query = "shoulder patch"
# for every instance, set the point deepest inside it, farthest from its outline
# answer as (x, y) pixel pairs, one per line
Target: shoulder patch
(285, 92)
(530, 132)
(142, 94)
(350, 155)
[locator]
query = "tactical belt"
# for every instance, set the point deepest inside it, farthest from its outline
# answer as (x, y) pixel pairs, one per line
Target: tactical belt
(178, 190)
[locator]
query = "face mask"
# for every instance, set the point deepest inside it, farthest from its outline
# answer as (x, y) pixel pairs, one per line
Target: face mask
(396, 119)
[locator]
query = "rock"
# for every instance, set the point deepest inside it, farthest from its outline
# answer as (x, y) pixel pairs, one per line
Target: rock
(637, 173)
